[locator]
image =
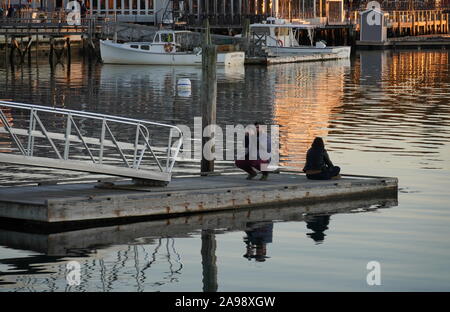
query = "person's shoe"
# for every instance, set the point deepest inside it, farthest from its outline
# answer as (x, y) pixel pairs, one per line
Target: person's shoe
(336, 177)
(251, 176)
(264, 177)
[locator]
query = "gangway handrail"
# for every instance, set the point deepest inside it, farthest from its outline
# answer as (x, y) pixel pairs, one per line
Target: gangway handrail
(142, 133)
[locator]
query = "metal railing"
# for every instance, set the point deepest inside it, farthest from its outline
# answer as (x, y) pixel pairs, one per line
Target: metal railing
(90, 142)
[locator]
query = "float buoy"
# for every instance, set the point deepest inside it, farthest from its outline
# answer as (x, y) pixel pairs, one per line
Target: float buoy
(168, 47)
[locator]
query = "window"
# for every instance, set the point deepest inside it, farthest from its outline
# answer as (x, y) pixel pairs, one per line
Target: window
(166, 38)
(280, 31)
(134, 46)
(145, 47)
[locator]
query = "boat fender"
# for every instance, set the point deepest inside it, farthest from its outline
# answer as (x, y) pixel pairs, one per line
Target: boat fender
(168, 47)
(280, 42)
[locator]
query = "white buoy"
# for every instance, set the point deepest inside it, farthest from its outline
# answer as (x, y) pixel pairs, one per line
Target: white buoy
(184, 87)
(184, 84)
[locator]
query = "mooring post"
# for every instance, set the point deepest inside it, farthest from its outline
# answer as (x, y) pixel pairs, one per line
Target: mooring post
(30, 42)
(208, 100)
(11, 52)
(50, 54)
(37, 48)
(209, 266)
(6, 50)
(69, 54)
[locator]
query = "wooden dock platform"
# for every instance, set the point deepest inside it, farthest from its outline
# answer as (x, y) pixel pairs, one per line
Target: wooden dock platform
(420, 42)
(189, 194)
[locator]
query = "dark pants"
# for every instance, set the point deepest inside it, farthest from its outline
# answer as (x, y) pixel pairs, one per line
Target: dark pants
(326, 174)
(249, 165)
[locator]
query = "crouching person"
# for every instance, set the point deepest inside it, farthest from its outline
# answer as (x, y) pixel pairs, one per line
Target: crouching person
(254, 144)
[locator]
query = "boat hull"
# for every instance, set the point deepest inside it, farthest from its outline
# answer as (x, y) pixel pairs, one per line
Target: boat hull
(114, 53)
(340, 52)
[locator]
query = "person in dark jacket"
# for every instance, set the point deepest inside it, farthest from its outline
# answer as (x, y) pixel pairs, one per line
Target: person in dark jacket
(318, 164)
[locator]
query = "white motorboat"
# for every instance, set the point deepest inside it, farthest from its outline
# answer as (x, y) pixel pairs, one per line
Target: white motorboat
(278, 37)
(166, 49)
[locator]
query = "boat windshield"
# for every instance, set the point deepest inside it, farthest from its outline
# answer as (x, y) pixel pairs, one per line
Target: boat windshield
(281, 31)
(166, 37)
(261, 30)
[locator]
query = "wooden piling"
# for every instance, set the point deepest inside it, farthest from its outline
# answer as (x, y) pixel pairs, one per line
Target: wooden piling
(37, 48)
(209, 94)
(6, 50)
(50, 54)
(30, 41)
(11, 53)
(69, 53)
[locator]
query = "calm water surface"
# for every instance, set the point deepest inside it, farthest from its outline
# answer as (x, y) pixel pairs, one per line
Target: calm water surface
(382, 113)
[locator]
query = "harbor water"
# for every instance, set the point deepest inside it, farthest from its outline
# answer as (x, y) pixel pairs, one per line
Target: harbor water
(383, 113)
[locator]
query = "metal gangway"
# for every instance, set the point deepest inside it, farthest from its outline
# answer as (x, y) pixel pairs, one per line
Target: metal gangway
(66, 139)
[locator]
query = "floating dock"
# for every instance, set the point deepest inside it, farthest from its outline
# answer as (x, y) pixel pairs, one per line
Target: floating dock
(283, 59)
(75, 203)
(407, 43)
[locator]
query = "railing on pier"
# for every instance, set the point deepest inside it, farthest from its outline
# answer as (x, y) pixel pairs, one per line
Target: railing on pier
(413, 22)
(89, 142)
(52, 25)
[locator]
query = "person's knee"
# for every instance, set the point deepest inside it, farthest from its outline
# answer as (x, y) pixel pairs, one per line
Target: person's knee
(241, 163)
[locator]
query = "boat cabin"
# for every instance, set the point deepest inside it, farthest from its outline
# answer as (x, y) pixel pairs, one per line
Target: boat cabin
(164, 41)
(280, 35)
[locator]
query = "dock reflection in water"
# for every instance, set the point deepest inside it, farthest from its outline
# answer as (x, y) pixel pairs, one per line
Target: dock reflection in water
(145, 256)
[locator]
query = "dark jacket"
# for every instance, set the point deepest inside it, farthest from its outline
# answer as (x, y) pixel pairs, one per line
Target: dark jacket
(317, 159)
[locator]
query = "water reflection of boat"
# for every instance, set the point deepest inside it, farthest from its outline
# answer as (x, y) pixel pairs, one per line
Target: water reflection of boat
(159, 75)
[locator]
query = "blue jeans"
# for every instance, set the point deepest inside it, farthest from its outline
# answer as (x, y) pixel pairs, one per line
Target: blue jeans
(326, 174)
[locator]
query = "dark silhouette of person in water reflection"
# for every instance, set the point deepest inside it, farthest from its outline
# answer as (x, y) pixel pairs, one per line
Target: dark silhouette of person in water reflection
(259, 234)
(318, 224)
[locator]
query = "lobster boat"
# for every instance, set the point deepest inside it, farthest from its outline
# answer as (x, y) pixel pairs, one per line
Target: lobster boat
(278, 37)
(169, 47)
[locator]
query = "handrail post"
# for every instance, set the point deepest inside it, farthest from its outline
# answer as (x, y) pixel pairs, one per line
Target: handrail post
(102, 141)
(31, 128)
(136, 143)
(68, 132)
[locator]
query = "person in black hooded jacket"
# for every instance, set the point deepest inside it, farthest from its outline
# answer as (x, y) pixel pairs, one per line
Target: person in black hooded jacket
(318, 164)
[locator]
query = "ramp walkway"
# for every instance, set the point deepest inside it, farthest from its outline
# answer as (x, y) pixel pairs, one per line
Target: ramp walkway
(57, 138)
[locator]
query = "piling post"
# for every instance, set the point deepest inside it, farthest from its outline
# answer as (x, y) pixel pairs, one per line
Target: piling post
(208, 100)
(37, 48)
(69, 53)
(50, 54)
(30, 42)
(11, 52)
(6, 50)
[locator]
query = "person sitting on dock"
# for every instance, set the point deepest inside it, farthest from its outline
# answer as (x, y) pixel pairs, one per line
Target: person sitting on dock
(253, 159)
(318, 164)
